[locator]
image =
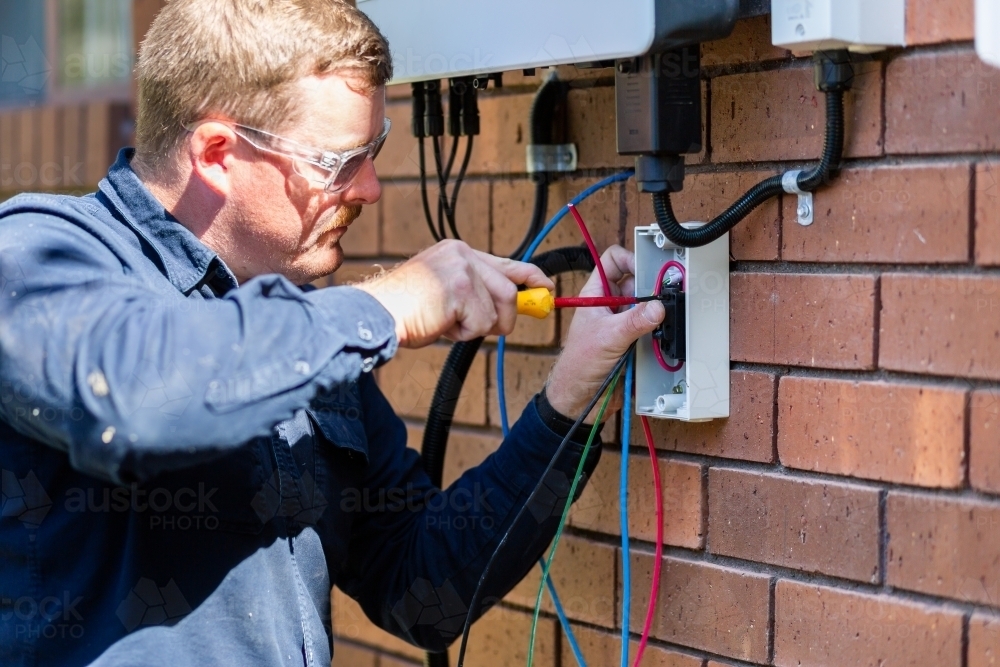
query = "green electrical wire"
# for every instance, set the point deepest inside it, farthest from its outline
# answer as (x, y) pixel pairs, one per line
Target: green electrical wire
(565, 514)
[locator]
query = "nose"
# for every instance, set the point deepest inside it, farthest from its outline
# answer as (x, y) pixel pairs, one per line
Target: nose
(365, 188)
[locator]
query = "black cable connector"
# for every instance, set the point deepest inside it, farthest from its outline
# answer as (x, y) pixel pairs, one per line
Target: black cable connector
(834, 75)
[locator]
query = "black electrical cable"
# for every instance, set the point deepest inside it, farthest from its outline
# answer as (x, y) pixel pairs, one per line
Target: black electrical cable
(446, 212)
(758, 194)
(461, 177)
(423, 190)
(456, 369)
(531, 496)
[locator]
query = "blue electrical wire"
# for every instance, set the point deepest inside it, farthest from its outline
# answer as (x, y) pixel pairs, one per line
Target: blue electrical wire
(502, 398)
(623, 505)
(502, 343)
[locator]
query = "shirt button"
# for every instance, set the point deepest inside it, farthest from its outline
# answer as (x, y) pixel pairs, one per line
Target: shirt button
(368, 364)
(302, 367)
(363, 332)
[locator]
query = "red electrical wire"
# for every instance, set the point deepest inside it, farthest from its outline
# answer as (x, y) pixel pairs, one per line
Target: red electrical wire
(658, 492)
(656, 290)
(655, 588)
(591, 247)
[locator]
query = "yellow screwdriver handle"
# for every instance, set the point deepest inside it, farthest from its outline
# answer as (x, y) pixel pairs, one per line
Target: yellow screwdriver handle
(536, 302)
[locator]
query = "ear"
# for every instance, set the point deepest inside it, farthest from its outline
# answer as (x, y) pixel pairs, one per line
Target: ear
(210, 149)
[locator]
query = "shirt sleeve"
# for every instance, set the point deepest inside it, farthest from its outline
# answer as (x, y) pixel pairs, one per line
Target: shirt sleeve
(415, 557)
(131, 380)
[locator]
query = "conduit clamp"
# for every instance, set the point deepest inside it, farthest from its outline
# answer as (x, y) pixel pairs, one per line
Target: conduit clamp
(552, 158)
(804, 210)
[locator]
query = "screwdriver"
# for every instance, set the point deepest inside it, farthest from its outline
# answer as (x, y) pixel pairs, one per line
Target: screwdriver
(539, 302)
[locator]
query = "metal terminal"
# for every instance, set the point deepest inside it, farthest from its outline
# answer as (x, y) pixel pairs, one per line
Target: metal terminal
(551, 158)
(804, 210)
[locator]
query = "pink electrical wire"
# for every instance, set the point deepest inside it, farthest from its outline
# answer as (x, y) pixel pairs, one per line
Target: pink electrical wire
(591, 247)
(655, 588)
(656, 290)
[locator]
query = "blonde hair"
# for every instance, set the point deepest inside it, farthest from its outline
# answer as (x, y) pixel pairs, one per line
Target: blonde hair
(241, 58)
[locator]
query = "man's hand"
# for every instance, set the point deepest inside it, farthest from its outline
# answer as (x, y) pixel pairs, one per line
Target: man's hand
(454, 291)
(597, 337)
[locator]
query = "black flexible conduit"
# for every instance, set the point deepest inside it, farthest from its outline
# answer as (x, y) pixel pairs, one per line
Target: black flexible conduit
(456, 369)
(758, 194)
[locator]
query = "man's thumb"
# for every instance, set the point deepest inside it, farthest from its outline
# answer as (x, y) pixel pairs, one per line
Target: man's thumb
(653, 312)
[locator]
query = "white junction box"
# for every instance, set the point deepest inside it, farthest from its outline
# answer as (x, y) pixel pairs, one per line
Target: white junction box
(698, 390)
(988, 31)
(858, 25)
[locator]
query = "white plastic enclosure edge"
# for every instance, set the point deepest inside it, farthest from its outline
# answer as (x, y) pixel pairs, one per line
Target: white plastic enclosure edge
(703, 381)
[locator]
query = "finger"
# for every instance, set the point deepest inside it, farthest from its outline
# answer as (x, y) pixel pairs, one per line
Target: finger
(504, 297)
(625, 328)
(617, 262)
(520, 273)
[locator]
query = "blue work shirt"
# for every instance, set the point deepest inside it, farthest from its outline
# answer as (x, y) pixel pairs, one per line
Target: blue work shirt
(188, 465)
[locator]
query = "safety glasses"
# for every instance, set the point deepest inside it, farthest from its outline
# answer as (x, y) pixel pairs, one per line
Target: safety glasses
(333, 171)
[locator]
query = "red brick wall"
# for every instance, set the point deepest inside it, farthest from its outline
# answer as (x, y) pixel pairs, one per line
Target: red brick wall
(847, 513)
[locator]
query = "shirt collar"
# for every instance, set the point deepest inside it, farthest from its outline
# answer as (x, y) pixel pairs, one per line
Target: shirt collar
(186, 259)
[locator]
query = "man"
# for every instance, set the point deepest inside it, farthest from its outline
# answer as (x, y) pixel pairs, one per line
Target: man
(193, 448)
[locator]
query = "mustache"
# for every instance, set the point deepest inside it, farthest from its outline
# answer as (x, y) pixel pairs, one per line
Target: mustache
(343, 217)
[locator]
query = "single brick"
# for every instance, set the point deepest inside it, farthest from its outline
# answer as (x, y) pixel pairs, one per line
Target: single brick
(984, 436)
(466, 449)
(584, 575)
(984, 641)
(900, 433)
(819, 321)
(779, 115)
(987, 194)
(591, 126)
(885, 214)
(941, 325)
(933, 21)
(393, 661)
(747, 435)
(716, 609)
(750, 42)
(944, 546)
(524, 376)
(350, 622)
(346, 654)
(599, 508)
(798, 523)
(361, 239)
(500, 637)
(941, 103)
(410, 378)
(404, 226)
(708, 194)
(604, 648)
(816, 625)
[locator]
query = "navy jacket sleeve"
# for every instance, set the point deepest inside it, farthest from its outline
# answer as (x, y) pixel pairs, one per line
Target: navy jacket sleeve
(132, 379)
(415, 557)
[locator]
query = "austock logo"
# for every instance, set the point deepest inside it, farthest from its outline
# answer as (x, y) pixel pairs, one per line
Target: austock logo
(23, 64)
(439, 607)
(149, 604)
(23, 499)
(50, 617)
